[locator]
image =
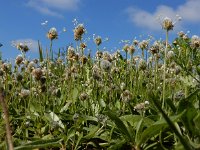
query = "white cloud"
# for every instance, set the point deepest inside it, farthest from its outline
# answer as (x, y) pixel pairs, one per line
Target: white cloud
(189, 11)
(53, 7)
(31, 43)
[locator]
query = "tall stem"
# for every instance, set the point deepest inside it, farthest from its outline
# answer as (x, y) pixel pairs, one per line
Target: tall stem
(164, 75)
(51, 53)
(6, 118)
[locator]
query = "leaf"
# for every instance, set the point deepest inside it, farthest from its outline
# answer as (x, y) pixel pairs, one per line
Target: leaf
(92, 132)
(40, 144)
(75, 94)
(120, 125)
(188, 101)
(138, 130)
(40, 51)
(78, 141)
(54, 118)
(117, 144)
(155, 129)
(134, 119)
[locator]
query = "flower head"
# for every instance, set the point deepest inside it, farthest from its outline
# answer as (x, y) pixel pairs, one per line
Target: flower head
(78, 32)
(52, 33)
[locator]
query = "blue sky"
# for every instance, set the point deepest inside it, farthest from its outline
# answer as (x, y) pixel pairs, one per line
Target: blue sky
(116, 19)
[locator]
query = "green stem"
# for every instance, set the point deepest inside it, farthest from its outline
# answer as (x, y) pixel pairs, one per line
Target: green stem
(164, 75)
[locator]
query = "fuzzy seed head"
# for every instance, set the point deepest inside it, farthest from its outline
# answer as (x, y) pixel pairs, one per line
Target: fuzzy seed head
(52, 34)
(167, 24)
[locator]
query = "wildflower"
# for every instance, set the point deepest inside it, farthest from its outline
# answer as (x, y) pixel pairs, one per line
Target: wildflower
(70, 53)
(83, 45)
(181, 34)
(24, 93)
(131, 49)
(179, 95)
(122, 86)
(19, 77)
(125, 48)
(102, 118)
(142, 64)
(126, 96)
(167, 24)
(98, 40)
(170, 54)
(21, 46)
(96, 73)
(75, 116)
(78, 32)
(37, 73)
(135, 42)
(19, 59)
(52, 34)
(154, 49)
(195, 41)
(141, 106)
(105, 65)
(144, 44)
(107, 56)
(31, 66)
(83, 96)
(83, 59)
(99, 54)
(5, 67)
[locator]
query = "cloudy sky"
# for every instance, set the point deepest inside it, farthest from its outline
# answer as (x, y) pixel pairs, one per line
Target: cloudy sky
(114, 19)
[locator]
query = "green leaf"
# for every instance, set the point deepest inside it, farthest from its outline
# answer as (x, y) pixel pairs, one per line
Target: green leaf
(134, 119)
(92, 132)
(78, 141)
(40, 144)
(155, 129)
(53, 117)
(139, 130)
(120, 125)
(188, 101)
(75, 94)
(40, 51)
(117, 144)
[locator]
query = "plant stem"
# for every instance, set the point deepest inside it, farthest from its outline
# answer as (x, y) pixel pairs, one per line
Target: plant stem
(6, 118)
(164, 75)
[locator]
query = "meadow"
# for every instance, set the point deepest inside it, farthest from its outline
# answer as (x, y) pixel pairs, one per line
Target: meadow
(110, 101)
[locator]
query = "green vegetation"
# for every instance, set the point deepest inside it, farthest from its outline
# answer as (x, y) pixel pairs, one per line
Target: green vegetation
(70, 100)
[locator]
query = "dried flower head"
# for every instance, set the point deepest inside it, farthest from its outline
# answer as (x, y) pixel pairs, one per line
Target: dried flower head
(98, 40)
(52, 33)
(195, 41)
(24, 93)
(144, 44)
(22, 46)
(141, 106)
(37, 73)
(78, 32)
(19, 60)
(131, 49)
(125, 48)
(142, 64)
(83, 96)
(167, 24)
(99, 54)
(170, 54)
(105, 65)
(126, 96)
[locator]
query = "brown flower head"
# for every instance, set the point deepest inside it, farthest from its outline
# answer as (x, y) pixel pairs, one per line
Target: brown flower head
(52, 34)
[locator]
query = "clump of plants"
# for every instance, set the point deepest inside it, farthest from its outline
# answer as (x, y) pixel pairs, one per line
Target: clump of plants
(73, 100)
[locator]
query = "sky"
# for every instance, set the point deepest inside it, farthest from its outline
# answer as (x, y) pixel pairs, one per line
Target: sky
(113, 19)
